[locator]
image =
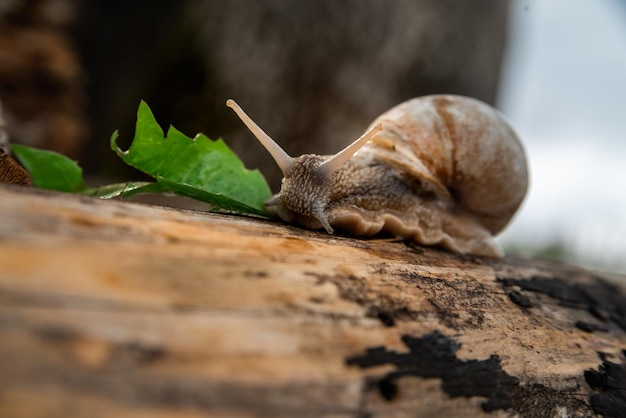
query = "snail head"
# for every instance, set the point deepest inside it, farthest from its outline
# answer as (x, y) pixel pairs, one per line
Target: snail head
(306, 184)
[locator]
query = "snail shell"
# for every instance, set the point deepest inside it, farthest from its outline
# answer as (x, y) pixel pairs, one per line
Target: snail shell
(441, 170)
(11, 172)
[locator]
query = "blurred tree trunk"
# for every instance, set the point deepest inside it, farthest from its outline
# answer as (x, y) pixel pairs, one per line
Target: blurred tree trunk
(314, 74)
(118, 309)
(41, 77)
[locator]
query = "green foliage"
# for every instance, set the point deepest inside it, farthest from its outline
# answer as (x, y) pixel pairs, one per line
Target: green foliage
(197, 168)
(50, 170)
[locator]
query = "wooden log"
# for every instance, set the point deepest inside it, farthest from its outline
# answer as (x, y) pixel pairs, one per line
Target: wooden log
(112, 308)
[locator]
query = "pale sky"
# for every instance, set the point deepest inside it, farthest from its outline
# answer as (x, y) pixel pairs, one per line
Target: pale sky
(564, 92)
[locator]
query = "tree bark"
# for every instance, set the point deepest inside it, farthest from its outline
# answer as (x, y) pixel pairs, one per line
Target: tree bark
(112, 308)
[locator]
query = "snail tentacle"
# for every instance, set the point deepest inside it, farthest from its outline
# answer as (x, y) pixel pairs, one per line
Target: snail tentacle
(336, 161)
(283, 160)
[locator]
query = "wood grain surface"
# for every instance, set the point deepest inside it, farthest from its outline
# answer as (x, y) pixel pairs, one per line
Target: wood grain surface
(111, 309)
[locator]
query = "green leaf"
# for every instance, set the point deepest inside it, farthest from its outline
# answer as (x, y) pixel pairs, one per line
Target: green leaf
(50, 170)
(165, 186)
(199, 168)
(127, 189)
(216, 200)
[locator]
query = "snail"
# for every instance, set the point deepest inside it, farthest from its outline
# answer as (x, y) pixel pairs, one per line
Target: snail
(441, 170)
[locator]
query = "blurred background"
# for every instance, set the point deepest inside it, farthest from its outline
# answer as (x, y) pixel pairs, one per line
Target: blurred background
(563, 87)
(314, 74)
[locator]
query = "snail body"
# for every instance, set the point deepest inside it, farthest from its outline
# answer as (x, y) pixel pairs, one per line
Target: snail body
(440, 170)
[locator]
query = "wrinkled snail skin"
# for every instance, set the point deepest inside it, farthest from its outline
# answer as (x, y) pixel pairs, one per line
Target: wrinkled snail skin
(444, 170)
